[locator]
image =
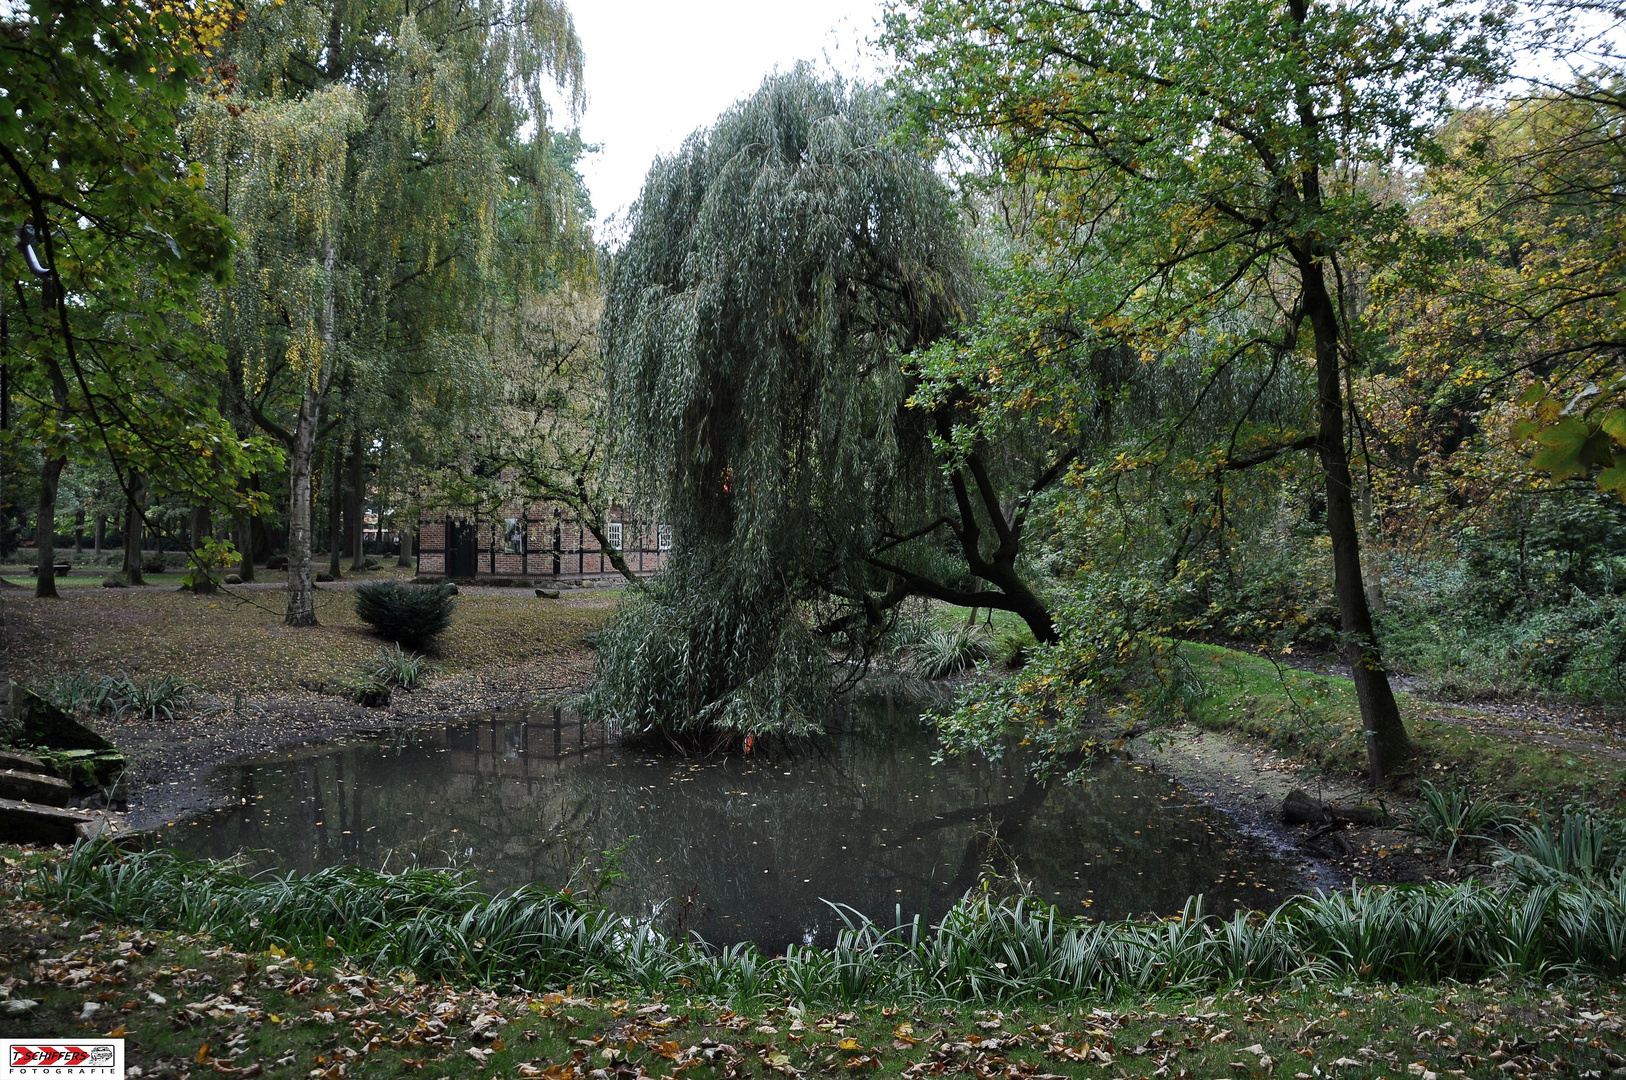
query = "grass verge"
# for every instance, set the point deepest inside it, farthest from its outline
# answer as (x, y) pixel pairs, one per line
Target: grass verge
(191, 1004)
(1316, 718)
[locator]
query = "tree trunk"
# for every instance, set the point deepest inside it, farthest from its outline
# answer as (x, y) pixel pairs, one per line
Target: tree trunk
(98, 535)
(1024, 601)
(409, 542)
(261, 538)
(358, 504)
(78, 533)
(301, 458)
(5, 666)
(1386, 740)
(335, 516)
(132, 532)
(245, 546)
(201, 525)
(199, 529)
(45, 527)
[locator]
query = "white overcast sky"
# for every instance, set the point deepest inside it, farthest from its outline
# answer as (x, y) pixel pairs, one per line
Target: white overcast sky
(659, 69)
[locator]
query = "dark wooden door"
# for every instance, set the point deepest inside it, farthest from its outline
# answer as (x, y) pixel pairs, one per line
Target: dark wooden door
(460, 551)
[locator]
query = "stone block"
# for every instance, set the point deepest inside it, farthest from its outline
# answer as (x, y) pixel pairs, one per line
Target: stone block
(27, 823)
(34, 788)
(13, 759)
(44, 724)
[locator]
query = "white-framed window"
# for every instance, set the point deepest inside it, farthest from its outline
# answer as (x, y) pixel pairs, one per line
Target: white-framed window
(612, 533)
(663, 537)
(513, 538)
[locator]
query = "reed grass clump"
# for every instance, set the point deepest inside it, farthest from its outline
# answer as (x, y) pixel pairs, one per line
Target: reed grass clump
(441, 926)
(1451, 817)
(947, 650)
(1576, 844)
(120, 695)
(392, 669)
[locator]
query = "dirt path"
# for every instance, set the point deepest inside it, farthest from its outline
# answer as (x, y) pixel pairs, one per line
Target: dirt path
(1249, 783)
(1566, 724)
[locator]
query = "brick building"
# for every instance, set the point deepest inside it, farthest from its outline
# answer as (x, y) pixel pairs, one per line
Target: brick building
(535, 541)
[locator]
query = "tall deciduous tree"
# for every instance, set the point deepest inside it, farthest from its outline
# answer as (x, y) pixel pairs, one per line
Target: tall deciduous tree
(114, 242)
(1198, 164)
(392, 169)
(778, 267)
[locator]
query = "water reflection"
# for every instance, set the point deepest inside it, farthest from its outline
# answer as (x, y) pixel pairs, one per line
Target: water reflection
(735, 849)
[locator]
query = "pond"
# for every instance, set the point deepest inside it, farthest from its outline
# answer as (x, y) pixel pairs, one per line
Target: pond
(754, 848)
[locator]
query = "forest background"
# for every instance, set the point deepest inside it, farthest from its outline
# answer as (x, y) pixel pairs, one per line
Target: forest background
(1292, 325)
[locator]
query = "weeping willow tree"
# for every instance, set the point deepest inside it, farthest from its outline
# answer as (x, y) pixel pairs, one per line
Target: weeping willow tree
(779, 269)
(392, 175)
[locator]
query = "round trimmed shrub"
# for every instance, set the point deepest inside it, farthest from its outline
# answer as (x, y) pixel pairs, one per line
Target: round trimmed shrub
(402, 612)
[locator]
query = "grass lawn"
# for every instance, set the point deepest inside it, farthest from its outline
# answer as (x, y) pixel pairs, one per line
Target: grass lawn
(224, 644)
(1316, 718)
(191, 1006)
(89, 580)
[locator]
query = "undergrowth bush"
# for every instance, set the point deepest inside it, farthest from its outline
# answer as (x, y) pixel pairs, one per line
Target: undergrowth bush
(1107, 673)
(1013, 646)
(399, 669)
(1578, 649)
(441, 926)
(406, 613)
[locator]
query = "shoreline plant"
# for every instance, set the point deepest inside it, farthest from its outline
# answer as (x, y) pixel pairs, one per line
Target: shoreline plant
(119, 695)
(440, 925)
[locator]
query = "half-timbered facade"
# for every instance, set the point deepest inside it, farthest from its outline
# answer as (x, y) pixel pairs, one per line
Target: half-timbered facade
(535, 541)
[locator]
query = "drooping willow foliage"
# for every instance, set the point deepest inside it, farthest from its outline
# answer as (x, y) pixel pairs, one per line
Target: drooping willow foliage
(778, 269)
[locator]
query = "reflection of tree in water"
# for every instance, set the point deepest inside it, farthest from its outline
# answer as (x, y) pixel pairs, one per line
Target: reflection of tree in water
(749, 848)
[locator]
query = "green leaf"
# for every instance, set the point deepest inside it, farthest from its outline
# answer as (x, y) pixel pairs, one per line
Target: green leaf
(1614, 479)
(1613, 424)
(1562, 449)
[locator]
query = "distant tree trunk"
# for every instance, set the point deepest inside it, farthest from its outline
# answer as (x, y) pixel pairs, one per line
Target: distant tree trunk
(201, 525)
(132, 531)
(5, 666)
(78, 533)
(358, 503)
(45, 527)
(98, 535)
(200, 529)
(262, 539)
(1386, 738)
(301, 459)
(245, 545)
(335, 515)
(409, 543)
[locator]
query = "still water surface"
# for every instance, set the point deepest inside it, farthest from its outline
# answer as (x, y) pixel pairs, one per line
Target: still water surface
(737, 848)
